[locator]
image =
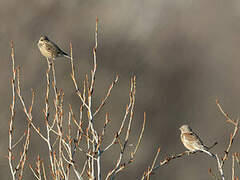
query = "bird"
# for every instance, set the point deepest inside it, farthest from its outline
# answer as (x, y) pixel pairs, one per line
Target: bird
(192, 142)
(49, 49)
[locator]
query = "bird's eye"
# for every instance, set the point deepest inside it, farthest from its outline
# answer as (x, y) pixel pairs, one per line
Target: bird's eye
(41, 39)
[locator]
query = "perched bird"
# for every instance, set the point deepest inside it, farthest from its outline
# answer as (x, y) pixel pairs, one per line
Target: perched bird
(49, 49)
(192, 142)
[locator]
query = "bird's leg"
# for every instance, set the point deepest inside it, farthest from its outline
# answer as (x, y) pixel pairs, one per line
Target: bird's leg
(49, 62)
(190, 152)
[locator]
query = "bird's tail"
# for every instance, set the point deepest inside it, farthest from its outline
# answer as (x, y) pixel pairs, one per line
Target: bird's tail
(209, 153)
(67, 56)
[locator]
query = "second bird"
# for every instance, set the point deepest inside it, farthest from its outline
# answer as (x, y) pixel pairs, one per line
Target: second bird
(192, 142)
(49, 49)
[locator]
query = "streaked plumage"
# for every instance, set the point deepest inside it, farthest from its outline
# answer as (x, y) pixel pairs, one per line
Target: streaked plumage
(191, 140)
(49, 49)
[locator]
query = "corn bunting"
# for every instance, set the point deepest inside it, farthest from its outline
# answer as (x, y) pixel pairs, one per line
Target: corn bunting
(49, 49)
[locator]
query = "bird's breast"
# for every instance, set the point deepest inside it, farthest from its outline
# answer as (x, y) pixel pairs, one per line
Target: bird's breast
(45, 50)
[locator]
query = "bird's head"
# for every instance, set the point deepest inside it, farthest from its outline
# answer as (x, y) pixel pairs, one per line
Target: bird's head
(185, 128)
(43, 38)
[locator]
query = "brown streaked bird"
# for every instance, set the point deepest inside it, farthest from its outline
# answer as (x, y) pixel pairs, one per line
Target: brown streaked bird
(49, 49)
(192, 142)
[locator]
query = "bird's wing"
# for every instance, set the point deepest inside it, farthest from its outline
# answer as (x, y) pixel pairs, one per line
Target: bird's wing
(52, 47)
(192, 137)
(59, 50)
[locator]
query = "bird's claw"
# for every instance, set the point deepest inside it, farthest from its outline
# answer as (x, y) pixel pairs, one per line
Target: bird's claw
(188, 152)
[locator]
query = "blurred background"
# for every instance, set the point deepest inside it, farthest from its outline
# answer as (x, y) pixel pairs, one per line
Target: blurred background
(185, 55)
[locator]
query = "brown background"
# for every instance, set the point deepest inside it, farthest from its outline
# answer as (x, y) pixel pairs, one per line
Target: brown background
(184, 53)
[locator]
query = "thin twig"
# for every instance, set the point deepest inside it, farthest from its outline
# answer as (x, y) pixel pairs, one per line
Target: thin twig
(149, 171)
(233, 174)
(12, 108)
(112, 173)
(106, 97)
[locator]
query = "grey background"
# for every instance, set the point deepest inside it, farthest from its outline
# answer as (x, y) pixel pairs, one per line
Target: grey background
(184, 53)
